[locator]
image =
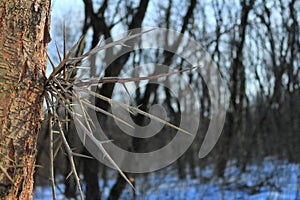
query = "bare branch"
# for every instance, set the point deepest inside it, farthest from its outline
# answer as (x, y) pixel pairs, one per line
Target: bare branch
(92, 82)
(71, 159)
(51, 165)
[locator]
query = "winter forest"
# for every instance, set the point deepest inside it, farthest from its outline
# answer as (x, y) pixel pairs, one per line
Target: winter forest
(239, 105)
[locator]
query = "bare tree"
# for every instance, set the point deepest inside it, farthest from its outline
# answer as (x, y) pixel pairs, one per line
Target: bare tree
(237, 88)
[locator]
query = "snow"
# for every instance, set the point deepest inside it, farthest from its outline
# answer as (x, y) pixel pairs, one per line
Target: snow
(276, 180)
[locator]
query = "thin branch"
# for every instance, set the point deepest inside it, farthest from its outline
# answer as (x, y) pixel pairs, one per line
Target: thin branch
(58, 52)
(109, 45)
(132, 108)
(51, 62)
(92, 82)
(71, 159)
(106, 113)
(51, 166)
(62, 63)
(85, 114)
(6, 174)
(105, 153)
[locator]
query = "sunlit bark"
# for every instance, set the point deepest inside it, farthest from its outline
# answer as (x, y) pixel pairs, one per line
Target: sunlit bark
(24, 34)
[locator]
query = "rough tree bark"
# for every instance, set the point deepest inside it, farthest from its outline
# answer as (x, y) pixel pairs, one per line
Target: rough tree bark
(24, 34)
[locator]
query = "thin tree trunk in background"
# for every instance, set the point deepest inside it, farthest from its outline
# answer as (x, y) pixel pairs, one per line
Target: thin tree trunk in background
(237, 92)
(24, 35)
(91, 178)
(118, 188)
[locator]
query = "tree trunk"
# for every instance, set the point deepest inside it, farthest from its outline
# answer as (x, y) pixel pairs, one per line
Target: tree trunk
(237, 92)
(91, 178)
(24, 34)
(118, 188)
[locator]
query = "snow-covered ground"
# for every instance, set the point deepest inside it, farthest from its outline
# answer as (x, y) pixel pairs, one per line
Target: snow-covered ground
(275, 180)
